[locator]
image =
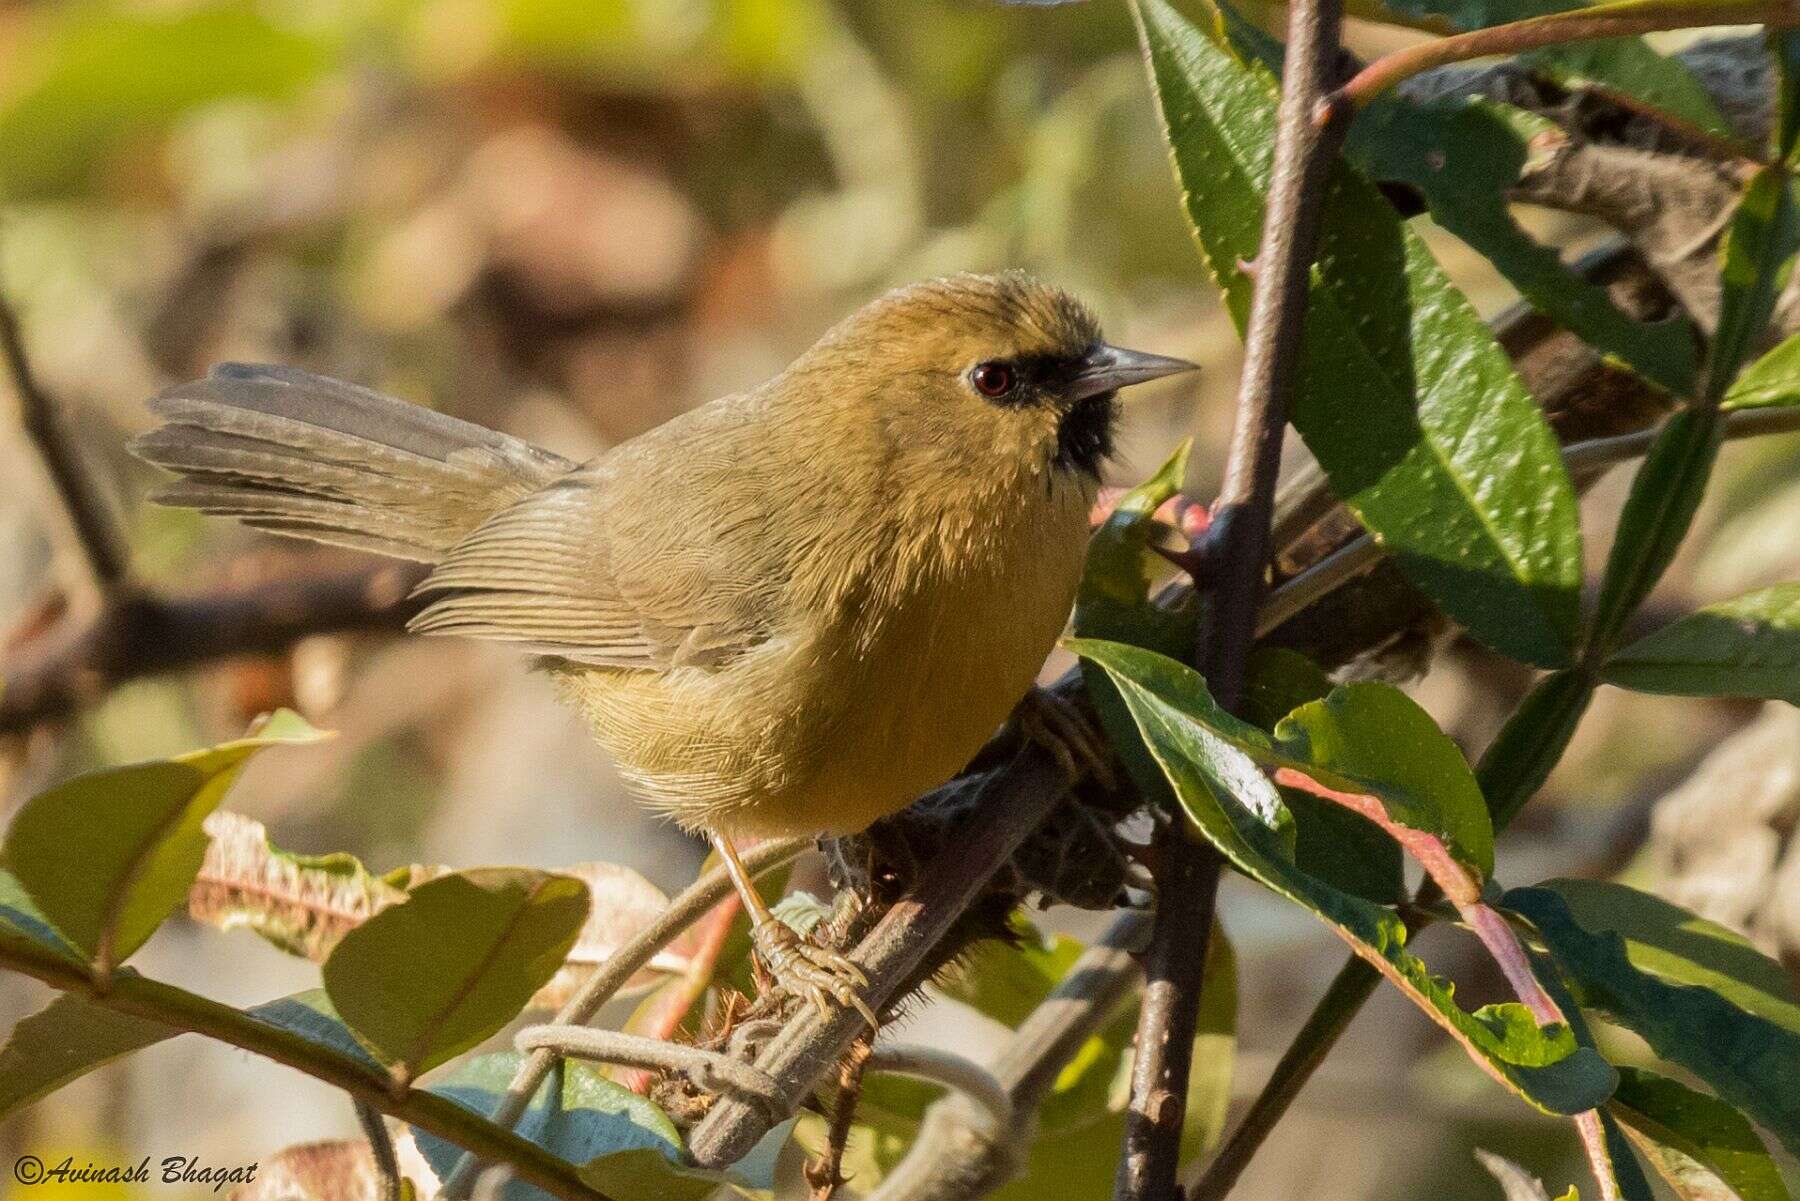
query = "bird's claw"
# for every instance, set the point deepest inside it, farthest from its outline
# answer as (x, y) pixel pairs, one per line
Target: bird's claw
(808, 970)
(1060, 726)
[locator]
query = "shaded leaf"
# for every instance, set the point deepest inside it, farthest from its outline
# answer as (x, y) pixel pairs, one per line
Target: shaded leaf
(1749, 1060)
(1412, 408)
(108, 855)
(1748, 646)
(20, 917)
(1007, 980)
(1168, 702)
(1521, 756)
(311, 1015)
(1703, 1147)
(301, 903)
(1658, 511)
(1772, 381)
(429, 978)
(64, 1041)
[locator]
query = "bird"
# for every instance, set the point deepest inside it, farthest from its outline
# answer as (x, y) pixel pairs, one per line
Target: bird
(791, 610)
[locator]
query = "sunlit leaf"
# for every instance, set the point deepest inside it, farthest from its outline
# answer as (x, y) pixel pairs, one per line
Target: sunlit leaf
(1756, 259)
(302, 903)
(1748, 646)
(1704, 1148)
(1412, 408)
(428, 978)
(108, 855)
(1772, 381)
(1542, 1064)
(1748, 1059)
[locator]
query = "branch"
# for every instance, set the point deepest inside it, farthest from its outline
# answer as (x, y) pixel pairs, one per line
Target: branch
(1012, 803)
(137, 635)
(611, 976)
(363, 1079)
(96, 533)
(1307, 138)
(707, 1069)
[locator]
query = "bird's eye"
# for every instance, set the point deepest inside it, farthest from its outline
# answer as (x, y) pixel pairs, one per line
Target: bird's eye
(993, 380)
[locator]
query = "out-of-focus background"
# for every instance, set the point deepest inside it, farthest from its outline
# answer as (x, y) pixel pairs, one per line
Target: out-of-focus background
(571, 220)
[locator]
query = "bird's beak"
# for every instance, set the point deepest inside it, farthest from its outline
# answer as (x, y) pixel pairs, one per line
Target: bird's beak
(1108, 368)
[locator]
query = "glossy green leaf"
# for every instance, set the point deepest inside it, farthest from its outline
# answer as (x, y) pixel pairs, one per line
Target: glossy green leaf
(1756, 259)
(1373, 737)
(426, 979)
(1658, 511)
(577, 1114)
(1703, 1147)
(1409, 404)
(1749, 647)
(1543, 1065)
(1749, 1060)
(64, 1041)
(108, 855)
(1771, 382)
(1462, 156)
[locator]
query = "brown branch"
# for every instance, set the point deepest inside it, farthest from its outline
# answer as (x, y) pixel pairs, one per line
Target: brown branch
(96, 532)
(136, 635)
(1237, 554)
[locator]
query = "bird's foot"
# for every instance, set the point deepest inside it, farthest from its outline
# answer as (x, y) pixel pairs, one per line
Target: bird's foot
(808, 970)
(1061, 727)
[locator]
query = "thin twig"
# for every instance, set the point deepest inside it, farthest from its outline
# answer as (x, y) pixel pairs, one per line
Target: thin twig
(709, 1070)
(610, 977)
(381, 1147)
(947, 1068)
(1605, 21)
(1237, 553)
(97, 534)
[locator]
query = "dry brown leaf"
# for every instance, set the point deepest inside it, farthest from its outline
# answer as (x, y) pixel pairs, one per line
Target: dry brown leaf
(624, 904)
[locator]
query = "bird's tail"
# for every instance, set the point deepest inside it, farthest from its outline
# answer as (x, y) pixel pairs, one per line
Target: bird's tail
(299, 454)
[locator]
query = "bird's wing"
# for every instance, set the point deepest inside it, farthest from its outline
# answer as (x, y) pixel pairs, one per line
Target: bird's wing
(616, 565)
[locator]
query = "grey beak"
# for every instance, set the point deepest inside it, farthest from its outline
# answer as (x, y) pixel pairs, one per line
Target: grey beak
(1107, 368)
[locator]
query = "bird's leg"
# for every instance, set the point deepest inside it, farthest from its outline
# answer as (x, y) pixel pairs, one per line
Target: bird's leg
(1062, 728)
(798, 965)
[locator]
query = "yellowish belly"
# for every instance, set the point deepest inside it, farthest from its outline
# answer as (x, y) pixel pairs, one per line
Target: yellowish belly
(832, 726)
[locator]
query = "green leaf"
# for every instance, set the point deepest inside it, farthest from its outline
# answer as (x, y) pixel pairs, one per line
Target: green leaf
(1786, 47)
(310, 1014)
(1749, 646)
(1703, 1147)
(1658, 511)
(1756, 258)
(426, 979)
(1007, 980)
(1750, 1061)
(83, 79)
(65, 1041)
(1411, 407)
(1680, 946)
(577, 1114)
(1462, 156)
(1375, 738)
(1771, 382)
(108, 855)
(1543, 1065)
(21, 918)
(1631, 67)
(1522, 755)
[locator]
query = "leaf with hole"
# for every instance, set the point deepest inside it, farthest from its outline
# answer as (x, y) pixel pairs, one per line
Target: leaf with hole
(108, 855)
(429, 978)
(1414, 411)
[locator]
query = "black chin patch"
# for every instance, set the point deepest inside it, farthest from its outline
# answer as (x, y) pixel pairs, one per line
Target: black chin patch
(1084, 439)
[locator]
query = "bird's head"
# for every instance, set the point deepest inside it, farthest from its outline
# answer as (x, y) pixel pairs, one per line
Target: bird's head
(985, 365)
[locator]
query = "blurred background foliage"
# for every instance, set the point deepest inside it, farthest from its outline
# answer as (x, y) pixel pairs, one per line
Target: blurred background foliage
(572, 219)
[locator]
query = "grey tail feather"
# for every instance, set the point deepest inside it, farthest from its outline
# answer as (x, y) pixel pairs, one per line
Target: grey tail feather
(285, 450)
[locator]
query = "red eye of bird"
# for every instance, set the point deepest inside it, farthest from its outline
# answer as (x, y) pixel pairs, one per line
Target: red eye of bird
(993, 379)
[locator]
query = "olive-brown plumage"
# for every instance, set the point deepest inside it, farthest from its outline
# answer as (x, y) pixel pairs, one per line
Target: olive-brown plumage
(791, 610)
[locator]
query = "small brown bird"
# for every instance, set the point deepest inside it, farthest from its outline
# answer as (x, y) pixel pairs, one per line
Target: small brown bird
(792, 610)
